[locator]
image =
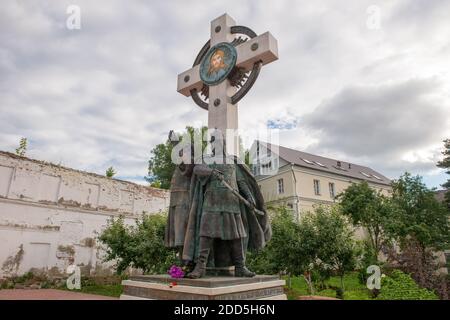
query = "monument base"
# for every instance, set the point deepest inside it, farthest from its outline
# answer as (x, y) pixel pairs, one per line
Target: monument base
(163, 287)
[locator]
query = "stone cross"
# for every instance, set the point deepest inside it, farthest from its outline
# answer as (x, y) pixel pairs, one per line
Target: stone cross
(222, 114)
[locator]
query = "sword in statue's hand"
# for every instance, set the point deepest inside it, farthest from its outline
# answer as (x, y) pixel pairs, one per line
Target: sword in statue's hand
(219, 175)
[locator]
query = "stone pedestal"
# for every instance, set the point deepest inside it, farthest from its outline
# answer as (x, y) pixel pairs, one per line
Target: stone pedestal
(160, 287)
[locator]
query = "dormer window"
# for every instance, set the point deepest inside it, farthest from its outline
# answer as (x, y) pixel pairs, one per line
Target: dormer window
(320, 164)
(365, 174)
(307, 161)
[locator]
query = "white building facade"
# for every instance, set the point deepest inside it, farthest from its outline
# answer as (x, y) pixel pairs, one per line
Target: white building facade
(50, 216)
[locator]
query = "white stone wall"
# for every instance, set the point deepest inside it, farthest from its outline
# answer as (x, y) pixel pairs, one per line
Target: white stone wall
(50, 216)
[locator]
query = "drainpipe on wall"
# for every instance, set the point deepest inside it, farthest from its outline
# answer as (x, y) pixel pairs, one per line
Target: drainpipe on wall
(295, 193)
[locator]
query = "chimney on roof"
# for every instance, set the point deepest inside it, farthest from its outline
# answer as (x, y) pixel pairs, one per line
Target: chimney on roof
(339, 164)
(349, 165)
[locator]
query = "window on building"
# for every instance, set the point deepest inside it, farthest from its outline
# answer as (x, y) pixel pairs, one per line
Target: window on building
(320, 164)
(307, 161)
(332, 190)
(280, 186)
(266, 168)
(267, 165)
(365, 174)
(316, 187)
(376, 177)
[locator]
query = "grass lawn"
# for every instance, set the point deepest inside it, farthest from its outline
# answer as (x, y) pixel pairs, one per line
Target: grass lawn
(111, 290)
(354, 290)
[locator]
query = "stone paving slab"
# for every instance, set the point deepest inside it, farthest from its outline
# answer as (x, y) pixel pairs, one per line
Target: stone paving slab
(48, 294)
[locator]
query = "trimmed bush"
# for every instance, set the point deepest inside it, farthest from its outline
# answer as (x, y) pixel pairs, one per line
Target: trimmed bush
(139, 246)
(400, 286)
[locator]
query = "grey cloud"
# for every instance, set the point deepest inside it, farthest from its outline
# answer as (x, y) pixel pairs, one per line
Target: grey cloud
(379, 125)
(380, 120)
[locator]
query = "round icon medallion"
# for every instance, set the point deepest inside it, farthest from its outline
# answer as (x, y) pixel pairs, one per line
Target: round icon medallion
(217, 63)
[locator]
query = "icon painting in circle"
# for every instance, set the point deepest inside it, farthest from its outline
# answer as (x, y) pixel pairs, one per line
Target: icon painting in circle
(217, 63)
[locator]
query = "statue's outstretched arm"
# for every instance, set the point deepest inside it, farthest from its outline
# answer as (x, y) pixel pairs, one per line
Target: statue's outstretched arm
(202, 170)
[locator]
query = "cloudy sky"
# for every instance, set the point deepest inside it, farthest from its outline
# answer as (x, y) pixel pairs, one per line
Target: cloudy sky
(347, 85)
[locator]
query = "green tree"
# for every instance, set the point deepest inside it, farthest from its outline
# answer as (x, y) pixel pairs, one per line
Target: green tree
(22, 149)
(331, 240)
(318, 246)
(371, 210)
(160, 165)
(422, 229)
(421, 217)
(138, 246)
(110, 172)
(445, 164)
(283, 252)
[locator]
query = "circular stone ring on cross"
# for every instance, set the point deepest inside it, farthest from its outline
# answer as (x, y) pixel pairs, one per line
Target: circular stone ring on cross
(217, 64)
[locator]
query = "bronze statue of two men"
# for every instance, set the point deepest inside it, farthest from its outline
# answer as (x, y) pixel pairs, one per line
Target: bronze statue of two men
(216, 215)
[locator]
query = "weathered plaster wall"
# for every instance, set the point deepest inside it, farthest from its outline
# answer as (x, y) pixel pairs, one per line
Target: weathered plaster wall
(51, 215)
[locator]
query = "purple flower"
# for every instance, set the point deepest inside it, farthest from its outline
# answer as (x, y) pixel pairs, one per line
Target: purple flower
(176, 272)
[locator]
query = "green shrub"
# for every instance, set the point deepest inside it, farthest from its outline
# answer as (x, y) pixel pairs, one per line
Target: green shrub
(400, 286)
(23, 278)
(261, 263)
(139, 246)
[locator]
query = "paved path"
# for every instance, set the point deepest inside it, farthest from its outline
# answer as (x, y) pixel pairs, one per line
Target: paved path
(48, 294)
